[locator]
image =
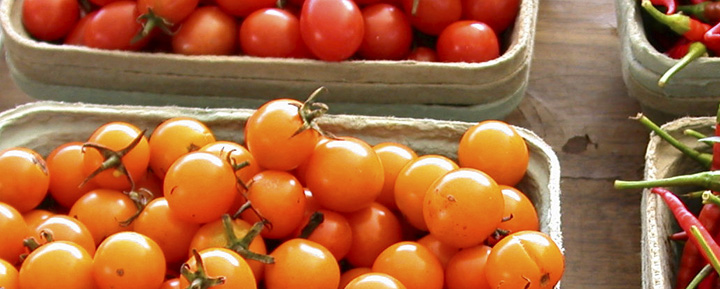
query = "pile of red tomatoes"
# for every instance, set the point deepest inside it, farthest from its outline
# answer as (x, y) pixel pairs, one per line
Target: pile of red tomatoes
(330, 30)
(291, 207)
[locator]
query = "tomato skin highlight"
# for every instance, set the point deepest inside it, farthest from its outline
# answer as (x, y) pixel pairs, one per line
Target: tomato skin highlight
(332, 29)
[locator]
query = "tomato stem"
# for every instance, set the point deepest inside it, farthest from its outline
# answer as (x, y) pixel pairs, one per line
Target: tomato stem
(316, 219)
(712, 258)
(703, 158)
(199, 279)
(310, 111)
(242, 245)
(113, 159)
(149, 22)
(140, 198)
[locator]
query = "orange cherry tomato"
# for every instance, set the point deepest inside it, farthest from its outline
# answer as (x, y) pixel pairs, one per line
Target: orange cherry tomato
(221, 262)
(60, 264)
(117, 137)
(128, 260)
(375, 280)
(463, 207)
(526, 259)
(14, 231)
(345, 174)
(519, 214)
(24, 178)
(394, 156)
(238, 155)
(441, 250)
(33, 218)
(413, 182)
(273, 135)
(334, 233)
(412, 264)
(278, 197)
(350, 274)
(373, 229)
(104, 212)
(213, 234)
(170, 233)
(65, 228)
(466, 269)
(495, 148)
(200, 187)
(8, 275)
(301, 263)
(65, 165)
(175, 137)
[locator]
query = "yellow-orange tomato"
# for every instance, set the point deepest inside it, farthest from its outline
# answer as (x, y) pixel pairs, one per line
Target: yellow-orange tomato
(24, 178)
(65, 165)
(526, 259)
(463, 207)
(520, 213)
(350, 274)
(173, 138)
(33, 218)
(278, 197)
(495, 148)
(301, 263)
(222, 262)
(412, 264)
(60, 264)
(412, 183)
(394, 156)
(238, 155)
(8, 275)
(375, 280)
(466, 269)
(14, 231)
(104, 211)
(334, 232)
(345, 174)
(441, 250)
(173, 235)
(118, 137)
(373, 229)
(64, 227)
(128, 260)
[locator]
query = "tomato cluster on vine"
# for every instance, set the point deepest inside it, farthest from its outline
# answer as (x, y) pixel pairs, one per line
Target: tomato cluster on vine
(292, 206)
(329, 30)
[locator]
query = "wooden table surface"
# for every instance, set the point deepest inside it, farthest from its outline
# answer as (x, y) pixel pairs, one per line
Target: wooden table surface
(576, 100)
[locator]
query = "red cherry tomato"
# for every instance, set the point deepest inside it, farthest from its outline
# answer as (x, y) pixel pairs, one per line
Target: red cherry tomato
(422, 53)
(114, 27)
(50, 20)
(271, 32)
(467, 41)
(171, 11)
(244, 8)
(332, 29)
(498, 14)
(207, 31)
(77, 35)
(432, 16)
(388, 33)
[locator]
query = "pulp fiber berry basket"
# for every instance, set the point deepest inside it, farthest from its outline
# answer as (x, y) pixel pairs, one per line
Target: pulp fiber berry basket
(46, 124)
(693, 91)
(453, 91)
(660, 255)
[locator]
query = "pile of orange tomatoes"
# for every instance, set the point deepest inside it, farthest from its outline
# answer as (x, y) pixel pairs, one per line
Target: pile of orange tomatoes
(291, 207)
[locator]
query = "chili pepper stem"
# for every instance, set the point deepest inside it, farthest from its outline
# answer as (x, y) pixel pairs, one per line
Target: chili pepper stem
(678, 23)
(704, 272)
(703, 158)
(706, 179)
(695, 51)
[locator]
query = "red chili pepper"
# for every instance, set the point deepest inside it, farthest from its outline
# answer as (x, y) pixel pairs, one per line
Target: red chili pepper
(711, 38)
(670, 5)
(691, 261)
(708, 11)
(690, 223)
(683, 25)
(679, 49)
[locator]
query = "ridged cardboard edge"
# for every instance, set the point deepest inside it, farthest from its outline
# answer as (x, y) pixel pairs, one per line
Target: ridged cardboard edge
(44, 125)
(237, 75)
(657, 222)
